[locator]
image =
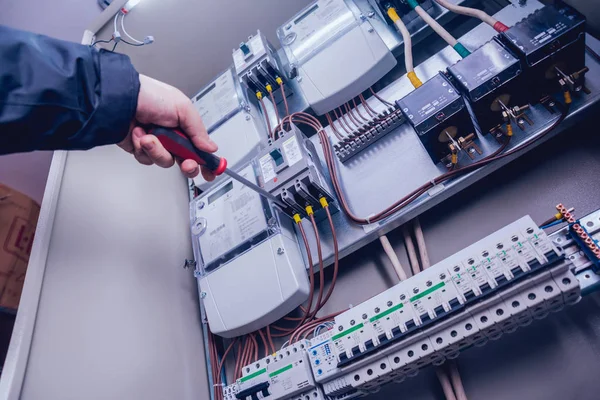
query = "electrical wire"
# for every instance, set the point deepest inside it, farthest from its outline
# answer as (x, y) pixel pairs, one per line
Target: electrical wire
(592, 53)
(342, 121)
(285, 103)
(381, 99)
(410, 250)
(101, 41)
(389, 250)
(266, 115)
(550, 225)
(264, 341)
(275, 107)
(425, 263)
(351, 116)
(367, 107)
(337, 134)
(126, 33)
(445, 383)
(443, 33)
(358, 111)
(224, 357)
(321, 266)
(399, 204)
(407, 39)
(457, 383)
(473, 12)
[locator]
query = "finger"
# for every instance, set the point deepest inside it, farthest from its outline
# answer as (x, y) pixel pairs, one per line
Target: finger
(207, 174)
(189, 168)
(155, 150)
(142, 158)
(191, 123)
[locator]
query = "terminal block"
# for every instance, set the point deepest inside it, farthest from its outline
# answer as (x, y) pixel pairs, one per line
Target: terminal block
(257, 65)
(492, 287)
(284, 375)
(551, 46)
(491, 79)
(369, 133)
(289, 169)
(438, 114)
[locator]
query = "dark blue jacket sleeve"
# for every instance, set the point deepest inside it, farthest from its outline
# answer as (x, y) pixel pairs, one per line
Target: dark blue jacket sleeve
(61, 95)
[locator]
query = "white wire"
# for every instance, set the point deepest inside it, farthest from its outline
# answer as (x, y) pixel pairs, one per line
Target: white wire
(127, 34)
(425, 263)
(389, 250)
(115, 22)
(445, 382)
(459, 389)
(285, 344)
(444, 34)
(471, 12)
(408, 58)
(410, 249)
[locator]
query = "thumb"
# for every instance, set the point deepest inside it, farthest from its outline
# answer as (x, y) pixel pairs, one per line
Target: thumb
(192, 125)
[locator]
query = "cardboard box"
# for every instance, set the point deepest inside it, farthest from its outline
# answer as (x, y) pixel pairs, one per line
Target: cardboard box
(18, 220)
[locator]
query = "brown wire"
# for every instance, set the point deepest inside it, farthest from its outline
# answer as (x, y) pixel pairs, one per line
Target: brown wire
(225, 354)
(270, 338)
(255, 345)
(264, 341)
(367, 107)
(337, 118)
(287, 109)
(333, 128)
(358, 111)
(350, 128)
(275, 107)
(321, 266)
(351, 116)
(381, 99)
(266, 115)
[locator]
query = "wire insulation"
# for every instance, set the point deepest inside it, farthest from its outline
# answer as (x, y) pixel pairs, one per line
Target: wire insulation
(389, 250)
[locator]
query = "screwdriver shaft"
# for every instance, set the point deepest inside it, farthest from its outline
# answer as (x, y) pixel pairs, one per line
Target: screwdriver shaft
(255, 187)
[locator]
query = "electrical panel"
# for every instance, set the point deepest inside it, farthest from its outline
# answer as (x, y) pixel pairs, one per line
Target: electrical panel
(243, 249)
(551, 45)
(232, 121)
(492, 287)
(438, 114)
(290, 170)
(334, 53)
(257, 65)
(491, 79)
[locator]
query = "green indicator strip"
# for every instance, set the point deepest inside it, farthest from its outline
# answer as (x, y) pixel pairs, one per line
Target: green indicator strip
(346, 332)
(254, 375)
(387, 312)
(428, 291)
(281, 370)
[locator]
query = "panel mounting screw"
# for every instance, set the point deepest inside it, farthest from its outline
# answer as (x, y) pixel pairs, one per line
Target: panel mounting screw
(189, 264)
(247, 118)
(371, 14)
(370, 29)
(299, 79)
(202, 295)
(280, 251)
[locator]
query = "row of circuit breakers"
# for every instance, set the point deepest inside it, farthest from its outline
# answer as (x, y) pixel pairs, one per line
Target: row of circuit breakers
(506, 280)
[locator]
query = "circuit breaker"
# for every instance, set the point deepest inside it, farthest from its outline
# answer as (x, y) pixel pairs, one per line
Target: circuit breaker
(334, 52)
(232, 121)
(244, 248)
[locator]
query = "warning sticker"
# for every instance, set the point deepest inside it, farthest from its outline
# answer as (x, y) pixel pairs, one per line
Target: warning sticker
(292, 151)
(267, 168)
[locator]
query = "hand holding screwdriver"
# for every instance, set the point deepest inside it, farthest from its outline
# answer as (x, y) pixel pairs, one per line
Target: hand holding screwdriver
(163, 105)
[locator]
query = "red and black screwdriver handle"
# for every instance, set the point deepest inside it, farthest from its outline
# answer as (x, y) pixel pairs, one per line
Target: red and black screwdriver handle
(180, 146)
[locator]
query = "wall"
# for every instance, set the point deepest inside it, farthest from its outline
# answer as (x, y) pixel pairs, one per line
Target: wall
(64, 19)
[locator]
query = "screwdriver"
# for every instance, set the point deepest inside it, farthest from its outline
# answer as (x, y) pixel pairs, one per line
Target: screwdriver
(180, 146)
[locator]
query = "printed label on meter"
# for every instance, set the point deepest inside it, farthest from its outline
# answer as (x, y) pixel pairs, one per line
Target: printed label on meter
(217, 101)
(267, 168)
(231, 218)
(292, 151)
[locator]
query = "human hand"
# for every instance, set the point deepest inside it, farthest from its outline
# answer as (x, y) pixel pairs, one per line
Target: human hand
(163, 105)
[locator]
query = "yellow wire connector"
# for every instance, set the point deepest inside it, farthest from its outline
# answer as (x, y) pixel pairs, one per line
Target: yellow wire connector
(297, 218)
(391, 12)
(414, 79)
(309, 210)
(509, 130)
(259, 95)
(323, 202)
(454, 158)
(279, 81)
(568, 98)
(269, 88)
(558, 216)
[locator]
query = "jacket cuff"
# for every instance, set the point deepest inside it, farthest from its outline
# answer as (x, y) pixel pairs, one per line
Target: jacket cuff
(117, 99)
